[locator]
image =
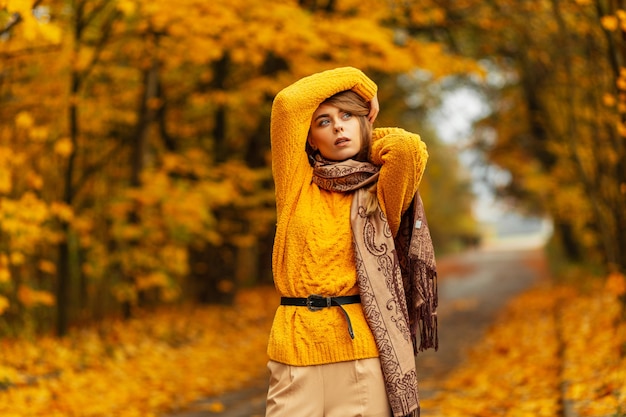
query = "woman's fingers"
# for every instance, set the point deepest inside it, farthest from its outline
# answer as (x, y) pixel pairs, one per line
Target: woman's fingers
(374, 109)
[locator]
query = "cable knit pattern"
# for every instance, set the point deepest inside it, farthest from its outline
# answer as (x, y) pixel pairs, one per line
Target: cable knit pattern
(313, 250)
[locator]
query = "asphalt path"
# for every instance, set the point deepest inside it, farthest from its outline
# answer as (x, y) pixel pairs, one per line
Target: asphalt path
(473, 287)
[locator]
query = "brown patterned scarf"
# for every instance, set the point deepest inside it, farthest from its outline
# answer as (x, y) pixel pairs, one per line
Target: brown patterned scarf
(396, 278)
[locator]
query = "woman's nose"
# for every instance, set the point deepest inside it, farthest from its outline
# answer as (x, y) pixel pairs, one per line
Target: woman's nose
(338, 126)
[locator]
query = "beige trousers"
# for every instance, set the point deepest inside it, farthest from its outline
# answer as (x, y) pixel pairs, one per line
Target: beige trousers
(343, 389)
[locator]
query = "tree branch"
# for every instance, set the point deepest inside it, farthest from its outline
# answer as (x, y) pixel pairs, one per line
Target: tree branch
(17, 18)
(96, 167)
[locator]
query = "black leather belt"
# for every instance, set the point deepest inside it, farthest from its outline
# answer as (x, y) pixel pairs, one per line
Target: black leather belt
(317, 302)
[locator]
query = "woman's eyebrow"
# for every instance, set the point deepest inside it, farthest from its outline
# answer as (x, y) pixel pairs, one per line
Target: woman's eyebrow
(319, 116)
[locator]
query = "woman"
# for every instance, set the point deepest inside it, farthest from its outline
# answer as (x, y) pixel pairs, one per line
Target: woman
(341, 193)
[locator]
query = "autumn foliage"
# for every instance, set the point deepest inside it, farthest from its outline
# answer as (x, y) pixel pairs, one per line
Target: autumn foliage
(135, 174)
(134, 148)
(557, 94)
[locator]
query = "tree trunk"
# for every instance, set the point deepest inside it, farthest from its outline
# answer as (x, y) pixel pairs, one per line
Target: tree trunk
(569, 243)
(220, 70)
(146, 116)
(63, 267)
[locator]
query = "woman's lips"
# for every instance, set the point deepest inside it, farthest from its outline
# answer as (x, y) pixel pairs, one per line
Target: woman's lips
(342, 141)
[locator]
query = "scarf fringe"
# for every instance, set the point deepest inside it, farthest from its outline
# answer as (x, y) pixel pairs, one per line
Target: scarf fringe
(420, 283)
(425, 297)
(402, 410)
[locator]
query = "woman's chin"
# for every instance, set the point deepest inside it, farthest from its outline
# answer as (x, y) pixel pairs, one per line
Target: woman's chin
(340, 156)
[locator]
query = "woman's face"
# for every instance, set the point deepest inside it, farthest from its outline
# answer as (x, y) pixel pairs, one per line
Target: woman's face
(335, 133)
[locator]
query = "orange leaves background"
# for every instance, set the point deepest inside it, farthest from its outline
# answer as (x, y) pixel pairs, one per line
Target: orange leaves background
(135, 173)
(134, 135)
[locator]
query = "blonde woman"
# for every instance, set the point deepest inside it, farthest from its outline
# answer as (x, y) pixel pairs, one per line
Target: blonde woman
(344, 337)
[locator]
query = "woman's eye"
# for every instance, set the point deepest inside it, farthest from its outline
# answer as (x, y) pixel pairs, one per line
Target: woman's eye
(347, 115)
(323, 122)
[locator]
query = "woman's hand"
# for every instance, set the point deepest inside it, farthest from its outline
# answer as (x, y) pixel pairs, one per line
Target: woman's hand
(374, 109)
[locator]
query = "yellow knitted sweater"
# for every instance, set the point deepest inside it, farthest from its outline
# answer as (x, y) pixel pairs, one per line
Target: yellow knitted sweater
(313, 251)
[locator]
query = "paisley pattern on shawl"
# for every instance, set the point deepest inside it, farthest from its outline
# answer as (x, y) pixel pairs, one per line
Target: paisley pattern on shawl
(396, 278)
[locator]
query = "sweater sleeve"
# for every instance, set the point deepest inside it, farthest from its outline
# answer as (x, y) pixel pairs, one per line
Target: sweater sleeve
(402, 156)
(292, 111)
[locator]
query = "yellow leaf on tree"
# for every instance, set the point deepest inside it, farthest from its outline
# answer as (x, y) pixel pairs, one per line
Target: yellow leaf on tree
(5, 181)
(34, 180)
(62, 211)
(51, 32)
(609, 23)
(5, 274)
(30, 297)
(39, 133)
(24, 120)
(126, 7)
(20, 6)
(63, 147)
(47, 266)
(29, 26)
(4, 304)
(125, 292)
(156, 279)
(17, 258)
(609, 100)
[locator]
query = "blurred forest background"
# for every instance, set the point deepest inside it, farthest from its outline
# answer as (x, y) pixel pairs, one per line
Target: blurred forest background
(134, 135)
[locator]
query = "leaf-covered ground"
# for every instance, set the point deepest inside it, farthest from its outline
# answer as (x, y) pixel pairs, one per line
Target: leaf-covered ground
(550, 347)
(153, 364)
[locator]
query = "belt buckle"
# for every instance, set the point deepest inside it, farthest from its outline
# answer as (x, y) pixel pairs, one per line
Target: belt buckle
(309, 302)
